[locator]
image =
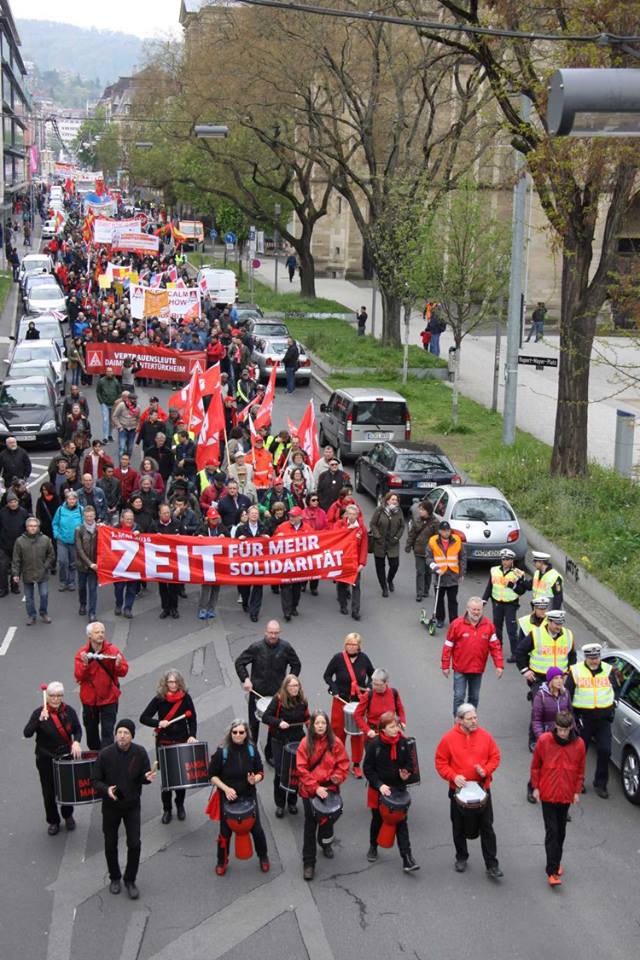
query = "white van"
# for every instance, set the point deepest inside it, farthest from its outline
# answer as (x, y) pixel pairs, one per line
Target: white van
(222, 285)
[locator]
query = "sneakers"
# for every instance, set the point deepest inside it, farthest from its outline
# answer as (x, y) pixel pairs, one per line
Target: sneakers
(211, 614)
(357, 771)
(494, 872)
(308, 871)
(82, 612)
(202, 615)
(31, 621)
(221, 869)
(118, 611)
(128, 615)
(70, 823)
(554, 880)
(45, 618)
(560, 871)
(602, 792)
(327, 850)
(131, 889)
(408, 863)
(264, 864)
(344, 611)
(293, 810)
(114, 886)
(53, 828)
(460, 866)
(279, 813)
(372, 853)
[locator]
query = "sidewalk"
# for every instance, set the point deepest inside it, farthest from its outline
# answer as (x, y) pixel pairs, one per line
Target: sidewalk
(611, 388)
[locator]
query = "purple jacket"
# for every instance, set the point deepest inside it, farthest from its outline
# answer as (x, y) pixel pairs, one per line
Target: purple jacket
(545, 707)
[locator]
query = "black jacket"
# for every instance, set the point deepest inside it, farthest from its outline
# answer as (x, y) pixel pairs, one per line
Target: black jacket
(14, 463)
(337, 678)
(11, 527)
(178, 732)
(49, 743)
(171, 529)
(124, 769)
(244, 530)
(230, 509)
(291, 358)
(329, 487)
(269, 664)
(111, 489)
(378, 766)
(296, 715)
(233, 769)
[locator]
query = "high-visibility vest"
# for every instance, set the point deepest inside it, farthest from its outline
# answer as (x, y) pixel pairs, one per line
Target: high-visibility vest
(240, 392)
(593, 691)
(501, 584)
(449, 561)
(526, 625)
(543, 584)
(277, 451)
(550, 651)
(204, 479)
(176, 437)
(262, 467)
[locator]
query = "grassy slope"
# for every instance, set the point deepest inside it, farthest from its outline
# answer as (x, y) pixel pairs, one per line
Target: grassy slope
(5, 287)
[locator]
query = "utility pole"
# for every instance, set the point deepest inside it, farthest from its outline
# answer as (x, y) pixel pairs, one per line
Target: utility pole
(514, 310)
(405, 352)
(277, 209)
(374, 298)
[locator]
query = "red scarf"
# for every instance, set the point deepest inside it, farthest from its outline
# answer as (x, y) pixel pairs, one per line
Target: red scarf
(393, 741)
(173, 697)
(351, 671)
(57, 720)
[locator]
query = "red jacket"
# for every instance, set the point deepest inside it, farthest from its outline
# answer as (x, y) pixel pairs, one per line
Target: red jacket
(98, 686)
(103, 461)
(334, 762)
(335, 513)
(459, 752)
(129, 482)
(362, 537)
(387, 702)
(471, 645)
(287, 529)
(557, 770)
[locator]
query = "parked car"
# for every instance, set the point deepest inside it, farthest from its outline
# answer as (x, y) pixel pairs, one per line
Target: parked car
(42, 298)
(222, 285)
(268, 353)
(625, 730)
(50, 228)
(408, 469)
(354, 419)
(34, 263)
(37, 368)
(248, 314)
(39, 350)
(34, 280)
(271, 328)
(483, 517)
(30, 410)
(47, 326)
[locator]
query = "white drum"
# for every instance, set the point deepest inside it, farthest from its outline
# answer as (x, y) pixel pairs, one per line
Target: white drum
(471, 796)
(261, 706)
(350, 725)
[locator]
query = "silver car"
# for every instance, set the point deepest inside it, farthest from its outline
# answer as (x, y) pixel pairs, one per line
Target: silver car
(47, 326)
(34, 263)
(42, 298)
(625, 730)
(483, 517)
(39, 350)
(268, 353)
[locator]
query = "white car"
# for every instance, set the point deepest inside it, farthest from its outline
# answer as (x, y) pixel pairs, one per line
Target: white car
(34, 263)
(39, 350)
(47, 326)
(51, 227)
(43, 298)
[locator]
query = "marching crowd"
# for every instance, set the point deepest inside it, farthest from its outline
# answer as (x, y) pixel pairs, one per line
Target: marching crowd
(266, 486)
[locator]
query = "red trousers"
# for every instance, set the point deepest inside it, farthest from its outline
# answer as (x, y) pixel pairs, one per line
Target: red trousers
(337, 722)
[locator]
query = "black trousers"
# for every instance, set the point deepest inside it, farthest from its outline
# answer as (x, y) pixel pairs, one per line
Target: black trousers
(505, 614)
(45, 771)
(451, 594)
(487, 835)
(251, 600)
(112, 816)
(555, 825)
(224, 839)
(5, 571)
(385, 577)
(402, 833)
(290, 597)
(313, 829)
(347, 592)
(598, 729)
(254, 727)
(281, 797)
(169, 593)
(95, 718)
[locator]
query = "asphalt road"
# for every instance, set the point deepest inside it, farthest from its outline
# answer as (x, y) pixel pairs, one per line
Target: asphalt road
(55, 901)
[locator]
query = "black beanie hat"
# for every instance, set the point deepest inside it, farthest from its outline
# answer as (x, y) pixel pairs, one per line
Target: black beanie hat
(128, 725)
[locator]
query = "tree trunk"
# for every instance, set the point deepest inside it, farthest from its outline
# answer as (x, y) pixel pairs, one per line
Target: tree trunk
(391, 307)
(302, 246)
(577, 332)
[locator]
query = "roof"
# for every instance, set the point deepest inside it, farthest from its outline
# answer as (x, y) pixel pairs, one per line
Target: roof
(410, 446)
(370, 393)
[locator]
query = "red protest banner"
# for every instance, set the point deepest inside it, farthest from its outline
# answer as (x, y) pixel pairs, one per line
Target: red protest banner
(157, 363)
(323, 555)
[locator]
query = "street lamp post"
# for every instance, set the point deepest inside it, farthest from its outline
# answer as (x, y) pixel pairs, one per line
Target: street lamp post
(594, 102)
(210, 131)
(276, 240)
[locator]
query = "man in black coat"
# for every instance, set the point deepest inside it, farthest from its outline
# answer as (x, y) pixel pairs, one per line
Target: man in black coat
(330, 483)
(232, 504)
(269, 659)
(171, 525)
(252, 594)
(118, 775)
(14, 462)
(12, 525)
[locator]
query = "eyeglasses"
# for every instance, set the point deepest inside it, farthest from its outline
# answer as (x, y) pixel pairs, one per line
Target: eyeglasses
(239, 733)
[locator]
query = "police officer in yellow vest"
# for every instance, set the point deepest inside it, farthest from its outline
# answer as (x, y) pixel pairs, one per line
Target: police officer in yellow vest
(550, 644)
(506, 584)
(546, 581)
(536, 618)
(592, 684)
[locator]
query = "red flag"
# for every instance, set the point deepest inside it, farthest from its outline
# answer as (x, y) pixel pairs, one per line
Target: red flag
(211, 385)
(291, 427)
(172, 274)
(194, 414)
(210, 380)
(263, 416)
(308, 433)
(179, 399)
(244, 413)
(208, 446)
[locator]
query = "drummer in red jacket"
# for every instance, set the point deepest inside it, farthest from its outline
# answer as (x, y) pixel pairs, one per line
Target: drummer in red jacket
(381, 698)
(470, 640)
(322, 765)
(469, 753)
(352, 520)
(557, 777)
(98, 665)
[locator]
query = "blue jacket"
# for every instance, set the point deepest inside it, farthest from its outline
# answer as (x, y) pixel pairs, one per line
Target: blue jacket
(99, 501)
(65, 522)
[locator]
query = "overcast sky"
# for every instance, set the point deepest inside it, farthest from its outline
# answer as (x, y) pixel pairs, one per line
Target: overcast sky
(145, 18)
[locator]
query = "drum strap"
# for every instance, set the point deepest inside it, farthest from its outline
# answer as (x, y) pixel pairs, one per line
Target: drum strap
(351, 672)
(112, 676)
(174, 709)
(59, 726)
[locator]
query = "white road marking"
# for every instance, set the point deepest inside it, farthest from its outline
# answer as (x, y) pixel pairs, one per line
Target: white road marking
(6, 643)
(37, 480)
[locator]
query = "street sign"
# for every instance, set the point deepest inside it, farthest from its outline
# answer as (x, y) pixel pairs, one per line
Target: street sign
(213, 234)
(255, 264)
(538, 362)
(230, 238)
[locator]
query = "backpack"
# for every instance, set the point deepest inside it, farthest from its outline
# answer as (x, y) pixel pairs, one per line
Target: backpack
(225, 752)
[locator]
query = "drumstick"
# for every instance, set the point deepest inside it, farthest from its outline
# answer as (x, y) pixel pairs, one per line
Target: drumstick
(336, 697)
(183, 716)
(154, 766)
(43, 687)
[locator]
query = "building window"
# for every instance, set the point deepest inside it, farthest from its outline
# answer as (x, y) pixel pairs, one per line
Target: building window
(337, 251)
(339, 205)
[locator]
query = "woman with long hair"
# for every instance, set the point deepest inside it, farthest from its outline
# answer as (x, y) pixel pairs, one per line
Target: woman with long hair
(172, 699)
(286, 716)
(348, 675)
(149, 468)
(322, 765)
(235, 769)
(385, 532)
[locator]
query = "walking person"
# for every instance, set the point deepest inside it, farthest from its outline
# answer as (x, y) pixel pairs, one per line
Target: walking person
(467, 753)
(385, 532)
(291, 362)
(125, 417)
(351, 593)
(538, 317)
(361, 319)
(447, 557)
(551, 699)
(97, 667)
(557, 777)
(251, 593)
(291, 263)
(33, 560)
(66, 519)
(348, 677)
(421, 529)
(169, 525)
(119, 774)
(13, 519)
(322, 765)
(108, 392)
(506, 584)
(86, 544)
(470, 640)
(210, 592)
(286, 717)
(592, 685)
